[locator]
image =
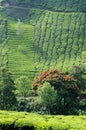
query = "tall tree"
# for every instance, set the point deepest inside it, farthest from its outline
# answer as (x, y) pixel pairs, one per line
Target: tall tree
(7, 88)
(23, 88)
(47, 96)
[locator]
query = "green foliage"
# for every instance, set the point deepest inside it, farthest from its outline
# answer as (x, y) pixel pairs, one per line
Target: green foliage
(3, 43)
(78, 72)
(23, 1)
(84, 59)
(57, 38)
(1, 0)
(26, 104)
(19, 27)
(47, 96)
(22, 121)
(24, 94)
(23, 88)
(82, 107)
(21, 49)
(66, 101)
(55, 5)
(7, 96)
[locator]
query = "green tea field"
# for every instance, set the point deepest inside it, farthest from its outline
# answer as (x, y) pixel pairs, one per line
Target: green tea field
(24, 121)
(21, 48)
(49, 35)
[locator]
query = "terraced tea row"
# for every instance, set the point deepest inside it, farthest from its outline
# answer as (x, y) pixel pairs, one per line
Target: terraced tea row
(21, 49)
(3, 42)
(60, 40)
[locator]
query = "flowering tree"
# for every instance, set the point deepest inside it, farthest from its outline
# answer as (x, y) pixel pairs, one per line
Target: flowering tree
(66, 86)
(56, 78)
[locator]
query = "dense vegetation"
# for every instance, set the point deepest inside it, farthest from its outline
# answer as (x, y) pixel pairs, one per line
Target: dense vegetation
(61, 5)
(3, 42)
(55, 5)
(60, 36)
(55, 92)
(7, 97)
(40, 35)
(21, 48)
(24, 121)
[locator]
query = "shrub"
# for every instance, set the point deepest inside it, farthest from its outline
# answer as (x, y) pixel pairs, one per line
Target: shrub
(23, 87)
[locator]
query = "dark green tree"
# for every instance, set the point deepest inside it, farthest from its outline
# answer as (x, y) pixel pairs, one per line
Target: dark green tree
(7, 96)
(78, 73)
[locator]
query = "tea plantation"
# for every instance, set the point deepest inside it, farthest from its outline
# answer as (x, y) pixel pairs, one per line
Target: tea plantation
(21, 48)
(24, 121)
(51, 34)
(3, 42)
(39, 35)
(60, 37)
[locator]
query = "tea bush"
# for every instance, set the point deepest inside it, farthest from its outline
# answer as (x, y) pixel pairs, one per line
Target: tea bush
(10, 120)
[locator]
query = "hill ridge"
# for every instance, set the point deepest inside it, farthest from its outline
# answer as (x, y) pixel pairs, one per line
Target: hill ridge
(27, 8)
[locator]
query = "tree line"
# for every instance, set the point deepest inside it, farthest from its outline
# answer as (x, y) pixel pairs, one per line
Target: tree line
(53, 92)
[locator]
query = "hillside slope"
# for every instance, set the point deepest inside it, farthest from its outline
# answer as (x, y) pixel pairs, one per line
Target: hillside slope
(60, 40)
(3, 42)
(21, 48)
(57, 28)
